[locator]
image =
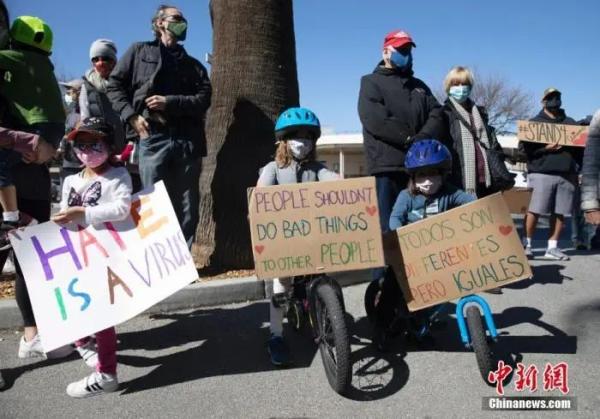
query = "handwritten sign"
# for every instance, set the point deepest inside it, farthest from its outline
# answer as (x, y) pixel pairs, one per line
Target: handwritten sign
(316, 227)
(82, 279)
(460, 252)
(517, 199)
(543, 132)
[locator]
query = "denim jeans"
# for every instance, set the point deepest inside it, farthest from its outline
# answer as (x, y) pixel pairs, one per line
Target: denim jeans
(173, 161)
(388, 186)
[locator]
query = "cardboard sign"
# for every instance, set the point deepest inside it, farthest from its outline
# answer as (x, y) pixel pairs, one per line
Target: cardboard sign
(317, 227)
(82, 279)
(517, 199)
(547, 133)
(460, 252)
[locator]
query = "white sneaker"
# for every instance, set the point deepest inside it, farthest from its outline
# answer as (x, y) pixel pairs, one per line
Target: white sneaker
(93, 385)
(31, 349)
(555, 254)
(88, 353)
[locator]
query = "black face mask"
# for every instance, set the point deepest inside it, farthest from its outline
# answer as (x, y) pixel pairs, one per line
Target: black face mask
(553, 104)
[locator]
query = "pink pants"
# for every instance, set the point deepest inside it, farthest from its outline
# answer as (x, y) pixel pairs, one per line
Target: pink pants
(106, 342)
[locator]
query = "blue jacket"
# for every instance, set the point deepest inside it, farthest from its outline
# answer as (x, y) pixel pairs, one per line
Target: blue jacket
(411, 208)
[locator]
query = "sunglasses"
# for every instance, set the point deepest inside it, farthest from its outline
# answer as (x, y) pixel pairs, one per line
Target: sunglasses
(103, 59)
(97, 147)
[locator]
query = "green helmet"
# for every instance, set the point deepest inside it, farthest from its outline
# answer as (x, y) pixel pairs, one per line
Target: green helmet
(32, 31)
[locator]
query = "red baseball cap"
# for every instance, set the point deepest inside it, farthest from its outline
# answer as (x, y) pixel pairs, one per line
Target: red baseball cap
(397, 39)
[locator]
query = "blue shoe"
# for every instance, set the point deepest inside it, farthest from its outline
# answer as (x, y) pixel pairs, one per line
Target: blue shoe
(280, 355)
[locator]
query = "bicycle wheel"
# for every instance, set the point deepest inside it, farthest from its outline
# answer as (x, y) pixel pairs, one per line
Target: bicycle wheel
(479, 342)
(334, 342)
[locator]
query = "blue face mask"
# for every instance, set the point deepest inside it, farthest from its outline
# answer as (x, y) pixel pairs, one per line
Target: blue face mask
(401, 60)
(459, 93)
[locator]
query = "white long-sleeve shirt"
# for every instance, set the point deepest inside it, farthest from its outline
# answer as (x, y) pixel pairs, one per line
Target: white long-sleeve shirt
(106, 197)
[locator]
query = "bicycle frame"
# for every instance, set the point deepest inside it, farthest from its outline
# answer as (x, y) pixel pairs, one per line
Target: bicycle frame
(487, 314)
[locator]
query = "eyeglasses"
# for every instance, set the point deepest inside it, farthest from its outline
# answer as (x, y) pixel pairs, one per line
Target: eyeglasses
(97, 147)
(103, 59)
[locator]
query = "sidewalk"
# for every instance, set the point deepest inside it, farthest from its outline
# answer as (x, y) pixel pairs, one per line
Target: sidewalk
(202, 294)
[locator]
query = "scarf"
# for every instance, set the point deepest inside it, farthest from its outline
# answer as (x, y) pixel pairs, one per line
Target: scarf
(98, 82)
(471, 137)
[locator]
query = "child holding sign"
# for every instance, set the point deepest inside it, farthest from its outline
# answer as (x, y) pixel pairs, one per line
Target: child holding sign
(99, 193)
(428, 163)
(297, 131)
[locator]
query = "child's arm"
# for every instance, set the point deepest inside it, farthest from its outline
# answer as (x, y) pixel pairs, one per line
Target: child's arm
(399, 215)
(460, 197)
(325, 174)
(117, 208)
(268, 175)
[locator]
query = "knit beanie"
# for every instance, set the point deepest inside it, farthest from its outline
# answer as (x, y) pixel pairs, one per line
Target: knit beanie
(103, 48)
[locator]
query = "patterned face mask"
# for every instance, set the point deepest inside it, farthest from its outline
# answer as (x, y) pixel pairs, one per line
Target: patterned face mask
(91, 155)
(300, 147)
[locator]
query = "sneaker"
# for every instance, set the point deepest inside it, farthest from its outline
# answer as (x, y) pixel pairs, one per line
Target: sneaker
(93, 385)
(528, 252)
(31, 349)
(578, 245)
(88, 353)
(278, 351)
(555, 254)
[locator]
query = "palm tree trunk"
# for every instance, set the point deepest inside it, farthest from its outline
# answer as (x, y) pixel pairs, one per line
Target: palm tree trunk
(254, 78)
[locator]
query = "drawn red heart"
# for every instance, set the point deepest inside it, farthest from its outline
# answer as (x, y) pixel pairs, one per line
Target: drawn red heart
(581, 139)
(505, 230)
(259, 248)
(372, 210)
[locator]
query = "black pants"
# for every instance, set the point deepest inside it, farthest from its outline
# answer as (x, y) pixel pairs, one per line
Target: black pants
(40, 210)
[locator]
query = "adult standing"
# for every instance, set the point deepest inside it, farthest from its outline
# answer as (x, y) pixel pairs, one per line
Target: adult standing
(469, 135)
(552, 174)
(70, 164)
(163, 94)
(590, 182)
(395, 109)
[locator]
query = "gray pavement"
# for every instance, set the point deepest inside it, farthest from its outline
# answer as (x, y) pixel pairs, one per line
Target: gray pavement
(212, 362)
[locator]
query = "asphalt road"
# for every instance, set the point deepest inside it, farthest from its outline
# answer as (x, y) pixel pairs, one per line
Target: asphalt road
(213, 363)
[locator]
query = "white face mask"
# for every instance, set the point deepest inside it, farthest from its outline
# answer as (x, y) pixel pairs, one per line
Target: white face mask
(300, 147)
(68, 99)
(428, 185)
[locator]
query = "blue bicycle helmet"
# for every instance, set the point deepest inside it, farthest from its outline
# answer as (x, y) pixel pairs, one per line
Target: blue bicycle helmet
(427, 154)
(293, 119)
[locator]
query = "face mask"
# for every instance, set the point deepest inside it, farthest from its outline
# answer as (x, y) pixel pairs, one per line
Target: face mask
(401, 60)
(459, 93)
(68, 99)
(300, 147)
(92, 158)
(178, 29)
(553, 104)
(428, 185)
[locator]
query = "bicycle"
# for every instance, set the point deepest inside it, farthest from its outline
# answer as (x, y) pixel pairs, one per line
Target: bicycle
(317, 300)
(418, 324)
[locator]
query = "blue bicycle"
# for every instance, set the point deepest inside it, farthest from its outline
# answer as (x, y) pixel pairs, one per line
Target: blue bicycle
(387, 311)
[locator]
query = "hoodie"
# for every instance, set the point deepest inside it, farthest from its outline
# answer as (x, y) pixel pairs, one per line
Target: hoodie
(395, 109)
(563, 161)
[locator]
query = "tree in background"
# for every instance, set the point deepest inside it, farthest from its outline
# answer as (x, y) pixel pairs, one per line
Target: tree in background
(505, 103)
(254, 78)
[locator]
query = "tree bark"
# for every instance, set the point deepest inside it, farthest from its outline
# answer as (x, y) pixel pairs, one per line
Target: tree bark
(254, 78)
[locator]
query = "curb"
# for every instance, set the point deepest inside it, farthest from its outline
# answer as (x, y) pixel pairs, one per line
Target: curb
(203, 294)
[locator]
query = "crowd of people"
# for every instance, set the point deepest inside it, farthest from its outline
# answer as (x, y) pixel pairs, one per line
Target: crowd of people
(130, 122)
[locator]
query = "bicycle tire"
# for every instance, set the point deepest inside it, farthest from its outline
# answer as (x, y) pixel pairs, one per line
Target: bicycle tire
(334, 341)
(479, 342)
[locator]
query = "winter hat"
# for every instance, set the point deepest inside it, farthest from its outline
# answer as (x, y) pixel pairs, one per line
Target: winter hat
(103, 48)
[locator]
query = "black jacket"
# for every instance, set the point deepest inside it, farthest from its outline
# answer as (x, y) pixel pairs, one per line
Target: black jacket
(452, 138)
(395, 109)
(133, 80)
(566, 160)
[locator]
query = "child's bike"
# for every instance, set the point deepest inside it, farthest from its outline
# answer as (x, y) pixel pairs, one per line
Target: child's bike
(418, 324)
(317, 300)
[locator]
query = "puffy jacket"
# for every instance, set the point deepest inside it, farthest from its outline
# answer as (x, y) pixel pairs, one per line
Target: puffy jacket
(590, 184)
(134, 79)
(563, 161)
(395, 109)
